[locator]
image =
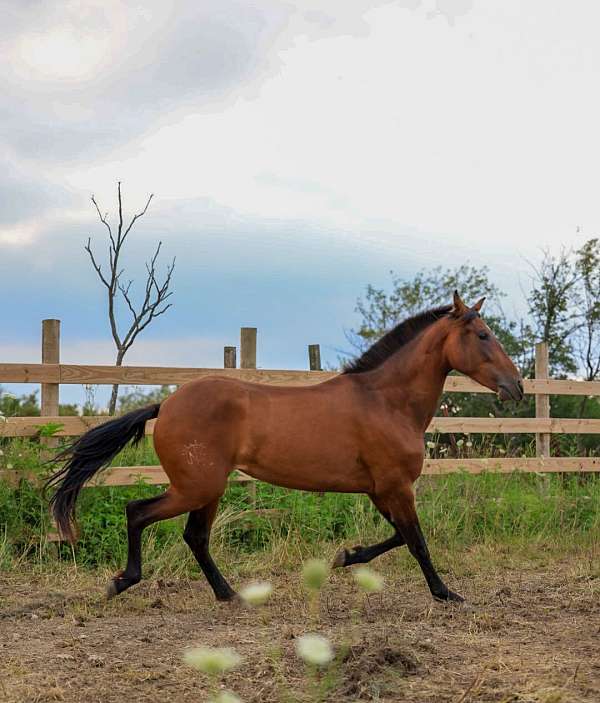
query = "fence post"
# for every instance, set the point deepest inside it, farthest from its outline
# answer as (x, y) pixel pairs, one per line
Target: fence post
(314, 357)
(542, 400)
(248, 348)
(248, 361)
(229, 358)
(49, 405)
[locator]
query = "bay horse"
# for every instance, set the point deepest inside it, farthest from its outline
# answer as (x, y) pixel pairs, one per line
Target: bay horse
(359, 432)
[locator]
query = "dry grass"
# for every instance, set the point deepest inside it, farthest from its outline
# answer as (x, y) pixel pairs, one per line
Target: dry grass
(529, 634)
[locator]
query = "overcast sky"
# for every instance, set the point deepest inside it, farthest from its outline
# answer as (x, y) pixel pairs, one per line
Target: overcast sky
(297, 151)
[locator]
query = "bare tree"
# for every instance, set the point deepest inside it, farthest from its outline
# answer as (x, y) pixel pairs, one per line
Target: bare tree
(155, 295)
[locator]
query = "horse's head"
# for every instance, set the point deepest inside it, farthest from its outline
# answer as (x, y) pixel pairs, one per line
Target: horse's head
(472, 349)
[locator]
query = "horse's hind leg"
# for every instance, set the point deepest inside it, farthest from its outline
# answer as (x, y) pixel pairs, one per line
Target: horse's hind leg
(140, 514)
(399, 505)
(197, 536)
(363, 555)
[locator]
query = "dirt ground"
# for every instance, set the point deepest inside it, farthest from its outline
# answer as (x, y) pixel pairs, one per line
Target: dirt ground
(528, 634)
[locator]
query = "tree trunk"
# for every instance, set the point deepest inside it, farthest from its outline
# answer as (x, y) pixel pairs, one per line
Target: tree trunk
(112, 406)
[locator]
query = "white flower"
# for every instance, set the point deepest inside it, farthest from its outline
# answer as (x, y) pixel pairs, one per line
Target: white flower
(502, 451)
(315, 573)
(431, 445)
(212, 660)
(370, 581)
(469, 444)
(256, 593)
(9, 466)
(226, 697)
(460, 442)
(314, 649)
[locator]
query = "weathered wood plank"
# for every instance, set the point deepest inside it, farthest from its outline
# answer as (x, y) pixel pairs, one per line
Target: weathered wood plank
(514, 425)
(29, 373)
(119, 476)
(49, 397)
(550, 386)
(129, 475)
(507, 465)
(73, 426)
(147, 375)
(166, 375)
(542, 401)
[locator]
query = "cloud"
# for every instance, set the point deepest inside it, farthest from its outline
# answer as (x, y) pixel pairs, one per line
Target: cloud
(82, 80)
(297, 151)
(23, 195)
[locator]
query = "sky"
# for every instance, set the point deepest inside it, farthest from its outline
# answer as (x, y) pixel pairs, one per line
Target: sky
(297, 151)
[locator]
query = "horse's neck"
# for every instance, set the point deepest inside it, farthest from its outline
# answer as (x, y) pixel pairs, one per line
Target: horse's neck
(413, 378)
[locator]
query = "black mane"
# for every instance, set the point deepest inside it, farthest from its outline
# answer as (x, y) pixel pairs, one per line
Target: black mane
(395, 339)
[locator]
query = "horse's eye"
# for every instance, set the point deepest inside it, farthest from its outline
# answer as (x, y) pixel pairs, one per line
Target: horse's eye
(483, 335)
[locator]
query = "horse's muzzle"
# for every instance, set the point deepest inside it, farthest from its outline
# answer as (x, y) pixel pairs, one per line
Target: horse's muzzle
(511, 390)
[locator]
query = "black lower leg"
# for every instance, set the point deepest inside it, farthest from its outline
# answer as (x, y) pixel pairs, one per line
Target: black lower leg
(363, 555)
(140, 514)
(418, 548)
(197, 535)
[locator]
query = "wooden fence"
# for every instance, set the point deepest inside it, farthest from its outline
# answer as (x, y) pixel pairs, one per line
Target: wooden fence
(51, 373)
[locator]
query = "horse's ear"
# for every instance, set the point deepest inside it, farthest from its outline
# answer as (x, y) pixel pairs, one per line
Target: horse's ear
(458, 307)
(478, 304)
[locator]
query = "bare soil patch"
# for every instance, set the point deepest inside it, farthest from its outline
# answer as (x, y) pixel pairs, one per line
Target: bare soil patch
(528, 635)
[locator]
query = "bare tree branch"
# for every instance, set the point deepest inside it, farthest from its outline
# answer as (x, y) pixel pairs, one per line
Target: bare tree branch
(88, 248)
(155, 294)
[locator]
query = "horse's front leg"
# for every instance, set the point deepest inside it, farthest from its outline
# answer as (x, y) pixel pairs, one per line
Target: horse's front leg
(397, 504)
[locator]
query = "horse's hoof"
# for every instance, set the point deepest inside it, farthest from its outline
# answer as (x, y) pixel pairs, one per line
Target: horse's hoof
(111, 589)
(455, 597)
(232, 598)
(449, 597)
(340, 559)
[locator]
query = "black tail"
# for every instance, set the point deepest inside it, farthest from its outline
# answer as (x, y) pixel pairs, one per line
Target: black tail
(92, 452)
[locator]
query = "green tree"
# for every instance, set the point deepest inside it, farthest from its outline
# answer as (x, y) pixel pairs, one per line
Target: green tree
(138, 399)
(18, 406)
(554, 308)
(381, 310)
(587, 333)
(27, 405)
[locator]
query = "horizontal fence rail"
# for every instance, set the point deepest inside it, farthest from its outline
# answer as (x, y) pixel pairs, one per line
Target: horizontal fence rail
(77, 425)
(165, 375)
(147, 375)
(154, 475)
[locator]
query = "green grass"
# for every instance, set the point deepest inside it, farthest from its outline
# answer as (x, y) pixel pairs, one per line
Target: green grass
(456, 511)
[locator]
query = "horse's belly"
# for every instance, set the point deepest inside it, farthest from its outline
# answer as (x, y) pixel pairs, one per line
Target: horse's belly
(307, 477)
